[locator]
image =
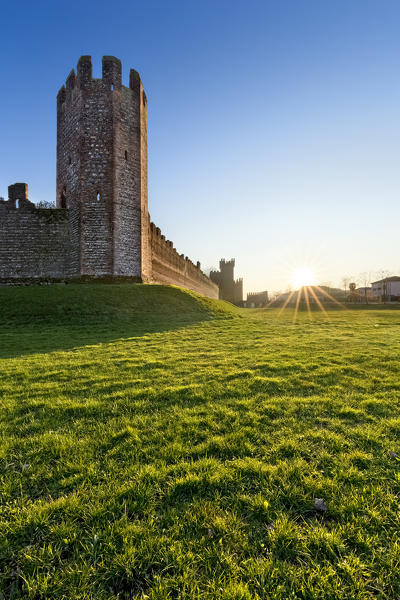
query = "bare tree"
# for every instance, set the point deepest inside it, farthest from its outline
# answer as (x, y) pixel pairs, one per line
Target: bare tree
(45, 204)
(365, 279)
(275, 296)
(346, 280)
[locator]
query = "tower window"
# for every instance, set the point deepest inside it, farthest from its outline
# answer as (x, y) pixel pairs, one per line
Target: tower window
(98, 196)
(126, 154)
(63, 199)
(112, 87)
(17, 204)
(69, 160)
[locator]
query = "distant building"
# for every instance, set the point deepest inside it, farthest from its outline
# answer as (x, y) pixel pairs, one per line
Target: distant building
(363, 295)
(386, 290)
(229, 288)
(257, 300)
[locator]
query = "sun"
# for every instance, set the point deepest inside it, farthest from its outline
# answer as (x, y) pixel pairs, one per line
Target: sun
(303, 276)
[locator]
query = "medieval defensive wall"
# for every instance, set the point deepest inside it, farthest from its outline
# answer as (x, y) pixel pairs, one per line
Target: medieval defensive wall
(101, 228)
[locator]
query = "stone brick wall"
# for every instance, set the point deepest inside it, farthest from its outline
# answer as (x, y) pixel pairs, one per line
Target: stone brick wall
(257, 299)
(169, 267)
(34, 243)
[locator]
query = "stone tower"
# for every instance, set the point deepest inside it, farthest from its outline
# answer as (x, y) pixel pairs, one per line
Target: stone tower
(102, 171)
(229, 288)
(226, 268)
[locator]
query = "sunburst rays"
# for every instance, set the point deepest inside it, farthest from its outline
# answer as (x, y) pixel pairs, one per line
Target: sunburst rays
(296, 310)
(308, 294)
(308, 303)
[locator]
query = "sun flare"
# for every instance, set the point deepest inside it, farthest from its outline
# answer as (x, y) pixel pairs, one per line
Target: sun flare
(303, 276)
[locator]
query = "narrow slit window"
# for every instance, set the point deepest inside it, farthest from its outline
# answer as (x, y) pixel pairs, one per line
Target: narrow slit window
(126, 154)
(17, 204)
(64, 198)
(112, 87)
(98, 196)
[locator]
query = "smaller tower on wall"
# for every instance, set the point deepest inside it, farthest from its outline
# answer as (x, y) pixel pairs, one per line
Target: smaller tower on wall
(227, 286)
(238, 292)
(102, 171)
(18, 195)
(229, 289)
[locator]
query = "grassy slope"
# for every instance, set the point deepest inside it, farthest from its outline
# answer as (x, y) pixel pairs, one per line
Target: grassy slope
(158, 445)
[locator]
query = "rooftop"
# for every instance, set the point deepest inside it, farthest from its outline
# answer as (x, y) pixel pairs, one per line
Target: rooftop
(387, 279)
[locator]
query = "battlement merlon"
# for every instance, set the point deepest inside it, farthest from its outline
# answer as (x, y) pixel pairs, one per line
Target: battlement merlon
(70, 84)
(84, 70)
(134, 80)
(112, 71)
(135, 84)
(18, 191)
(71, 80)
(61, 96)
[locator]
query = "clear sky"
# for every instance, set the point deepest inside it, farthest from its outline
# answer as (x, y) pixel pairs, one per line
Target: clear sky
(274, 126)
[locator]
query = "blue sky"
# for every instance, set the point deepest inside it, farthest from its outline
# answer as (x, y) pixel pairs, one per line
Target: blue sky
(274, 126)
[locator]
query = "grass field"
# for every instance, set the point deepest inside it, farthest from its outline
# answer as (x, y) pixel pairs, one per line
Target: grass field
(155, 444)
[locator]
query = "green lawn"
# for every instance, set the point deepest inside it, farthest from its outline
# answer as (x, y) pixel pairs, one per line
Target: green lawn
(156, 444)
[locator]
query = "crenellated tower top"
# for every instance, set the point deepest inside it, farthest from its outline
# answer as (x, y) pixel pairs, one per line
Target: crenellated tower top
(111, 78)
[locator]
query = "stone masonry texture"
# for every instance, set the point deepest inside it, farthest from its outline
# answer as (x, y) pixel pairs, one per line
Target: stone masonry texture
(101, 227)
(34, 243)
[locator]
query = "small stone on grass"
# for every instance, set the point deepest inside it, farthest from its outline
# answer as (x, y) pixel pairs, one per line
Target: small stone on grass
(320, 505)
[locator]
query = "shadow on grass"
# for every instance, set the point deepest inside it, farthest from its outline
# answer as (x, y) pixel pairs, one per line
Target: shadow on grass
(34, 340)
(60, 318)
